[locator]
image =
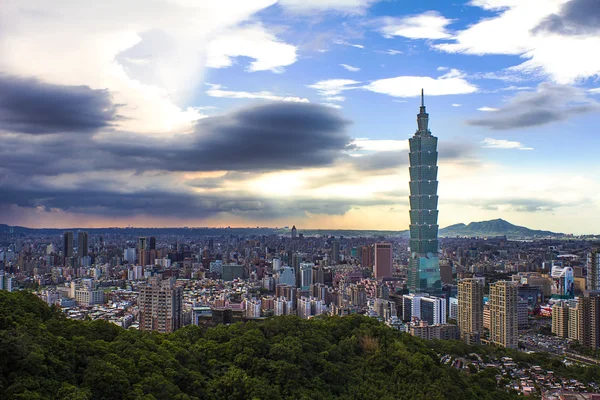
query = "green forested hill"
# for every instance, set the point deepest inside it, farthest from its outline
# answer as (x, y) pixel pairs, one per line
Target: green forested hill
(45, 356)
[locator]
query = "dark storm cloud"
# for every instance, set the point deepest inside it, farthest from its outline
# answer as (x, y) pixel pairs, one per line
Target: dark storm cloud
(270, 136)
(105, 202)
(577, 17)
(550, 103)
(34, 107)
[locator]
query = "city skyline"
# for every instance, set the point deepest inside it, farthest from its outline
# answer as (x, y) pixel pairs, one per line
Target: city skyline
(264, 113)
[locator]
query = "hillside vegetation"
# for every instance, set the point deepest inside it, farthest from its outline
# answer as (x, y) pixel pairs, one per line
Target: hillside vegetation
(45, 356)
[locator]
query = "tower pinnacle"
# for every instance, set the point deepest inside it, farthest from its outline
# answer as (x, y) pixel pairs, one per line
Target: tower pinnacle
(422, 117)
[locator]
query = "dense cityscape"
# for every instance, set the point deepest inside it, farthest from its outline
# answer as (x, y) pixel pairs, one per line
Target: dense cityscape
(299, 200)
(532, 294)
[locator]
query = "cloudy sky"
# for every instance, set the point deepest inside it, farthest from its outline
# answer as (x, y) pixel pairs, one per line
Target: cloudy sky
(273, 113)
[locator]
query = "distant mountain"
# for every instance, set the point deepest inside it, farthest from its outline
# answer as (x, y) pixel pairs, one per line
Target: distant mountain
(495, 227)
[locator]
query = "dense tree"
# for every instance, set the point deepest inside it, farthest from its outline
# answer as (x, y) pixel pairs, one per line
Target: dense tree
(43, 355)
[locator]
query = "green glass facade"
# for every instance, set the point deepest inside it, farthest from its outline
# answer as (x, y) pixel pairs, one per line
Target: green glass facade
(424, 269)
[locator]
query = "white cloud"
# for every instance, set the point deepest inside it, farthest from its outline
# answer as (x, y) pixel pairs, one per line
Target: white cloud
(516, 88)
(332, 105)
(503, 144)
(441, 69)
(456, 105)
(487, 109)
(409, 86)
(253, 41)
(350, 67)
(429, 25)
(109, 47)
(594, 91)
(380, 144)
(217, 91)
(561, 57)
(333, 87)
(310, 6)
(335, 98)
(345, 43)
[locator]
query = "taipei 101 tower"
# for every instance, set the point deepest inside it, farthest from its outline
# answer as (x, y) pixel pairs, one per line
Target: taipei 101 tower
(424, 267)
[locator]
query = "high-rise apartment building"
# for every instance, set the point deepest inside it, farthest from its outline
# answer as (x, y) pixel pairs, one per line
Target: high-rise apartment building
(68, 244)
(160, 304)
(383, 260)
(82, 244)
(593, 270)
(560, 319)
(142, 251)
(424, 270)
(504, 314)
(470, 310)
(589, 320)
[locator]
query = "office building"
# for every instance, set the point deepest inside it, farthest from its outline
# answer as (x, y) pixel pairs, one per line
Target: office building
(424, 270)
(522, 314)
(504, 314)
(367, 257)
(152, 243)
(470, 310)
(593, 270)
(294, 232)
(433, 310)
(335, 252)
(82, 244)
(129, 255)
(67, 244)
(160, 305)
(142, 251)
(383, 260)
(232, 271)
(306, 274)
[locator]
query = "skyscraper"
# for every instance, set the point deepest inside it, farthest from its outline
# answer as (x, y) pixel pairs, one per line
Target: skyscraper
(593, 270)
(294, 232)
(82, 244)
(152, 243)
(142, 247)
(335, 252)
(470, 310)
(424, 269)
(383, 260)
(503, 314)
(68, 244)
(366, 257)
(160, 304)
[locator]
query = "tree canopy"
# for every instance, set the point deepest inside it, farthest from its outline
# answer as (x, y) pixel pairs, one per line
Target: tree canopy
(43, 355)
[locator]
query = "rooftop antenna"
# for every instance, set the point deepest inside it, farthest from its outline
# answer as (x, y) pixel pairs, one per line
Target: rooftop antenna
(422, 98)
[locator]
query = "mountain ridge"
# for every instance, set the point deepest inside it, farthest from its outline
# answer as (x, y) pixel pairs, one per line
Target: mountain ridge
(494, 227)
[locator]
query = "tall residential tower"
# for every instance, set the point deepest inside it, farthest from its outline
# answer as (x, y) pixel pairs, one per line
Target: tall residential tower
(424, 268)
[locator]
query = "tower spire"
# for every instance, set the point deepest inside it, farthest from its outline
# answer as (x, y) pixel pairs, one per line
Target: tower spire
(422, 117)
